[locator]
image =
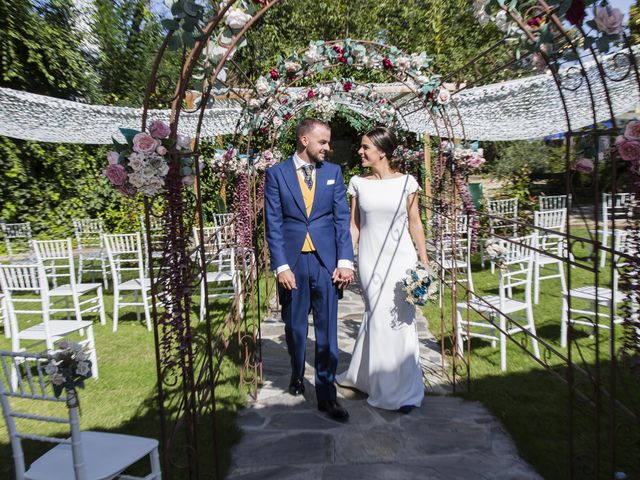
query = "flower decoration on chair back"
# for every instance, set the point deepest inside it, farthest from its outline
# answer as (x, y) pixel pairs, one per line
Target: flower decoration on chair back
(68, 367)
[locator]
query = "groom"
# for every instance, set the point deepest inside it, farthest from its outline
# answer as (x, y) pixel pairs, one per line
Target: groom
(308, 235)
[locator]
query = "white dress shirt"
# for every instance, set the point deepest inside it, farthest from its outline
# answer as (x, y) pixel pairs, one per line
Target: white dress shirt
(299, 163)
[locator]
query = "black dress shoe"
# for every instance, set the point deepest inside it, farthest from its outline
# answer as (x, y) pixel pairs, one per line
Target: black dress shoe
(296, 387)
(334, 411)
(406, 409)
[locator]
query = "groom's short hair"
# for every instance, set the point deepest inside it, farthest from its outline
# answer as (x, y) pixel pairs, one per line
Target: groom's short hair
(308, 124)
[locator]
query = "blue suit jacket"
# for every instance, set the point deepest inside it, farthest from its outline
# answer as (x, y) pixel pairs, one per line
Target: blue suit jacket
(287, 221)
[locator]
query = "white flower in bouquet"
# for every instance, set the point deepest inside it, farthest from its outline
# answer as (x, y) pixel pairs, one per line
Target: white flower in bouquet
(419, 285)
(51, 368)
(83, 368)
(403, 63)
(497, 250)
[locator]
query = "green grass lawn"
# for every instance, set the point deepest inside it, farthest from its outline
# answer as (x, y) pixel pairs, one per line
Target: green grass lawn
(124, 397)
(534, 404)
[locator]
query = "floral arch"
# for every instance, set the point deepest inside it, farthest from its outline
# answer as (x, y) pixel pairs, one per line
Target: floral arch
(545, 35)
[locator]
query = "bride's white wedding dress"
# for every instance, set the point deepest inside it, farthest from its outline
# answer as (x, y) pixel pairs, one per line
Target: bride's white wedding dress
(385, 363)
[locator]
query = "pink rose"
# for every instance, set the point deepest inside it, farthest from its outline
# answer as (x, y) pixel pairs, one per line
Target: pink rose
(538, 62)
(475, 161)
(632, 132)
(116, 174)
(161, 150)
(609, 20)
(112, 157)
(629, 150)
(145, 143)
(584, 165)
(443, 96)
(159, 129)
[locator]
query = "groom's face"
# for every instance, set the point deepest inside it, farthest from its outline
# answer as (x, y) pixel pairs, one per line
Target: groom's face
(316, 143)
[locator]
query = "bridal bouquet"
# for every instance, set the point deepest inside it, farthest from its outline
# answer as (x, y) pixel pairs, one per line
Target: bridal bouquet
(497, 251)
(68, 368)
(420, 284)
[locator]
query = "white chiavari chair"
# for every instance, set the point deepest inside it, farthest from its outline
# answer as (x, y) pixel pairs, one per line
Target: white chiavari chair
(18, 240)
(555, 243)
(614, 210)
(92, 257)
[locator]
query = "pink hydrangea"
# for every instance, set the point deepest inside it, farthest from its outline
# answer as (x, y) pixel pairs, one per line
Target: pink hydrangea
(159, 129)
(116, 174)
(145, 143)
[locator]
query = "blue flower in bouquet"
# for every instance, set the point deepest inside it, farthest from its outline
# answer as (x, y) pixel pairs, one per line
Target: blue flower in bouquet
(419, 285)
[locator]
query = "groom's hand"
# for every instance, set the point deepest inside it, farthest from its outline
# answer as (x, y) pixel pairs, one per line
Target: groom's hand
(287, 279)
(342, 276)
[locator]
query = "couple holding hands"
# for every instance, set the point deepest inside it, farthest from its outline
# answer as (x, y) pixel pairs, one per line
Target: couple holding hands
(312, 232)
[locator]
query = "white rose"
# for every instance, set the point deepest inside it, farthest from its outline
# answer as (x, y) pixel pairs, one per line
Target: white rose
(444, 96)
(262, 86)
(215, 54)
(83, 369)
(254, 104)
(609, 20)
(136, 163)
(81, 356)
(312, 55)
(277, 121)
(324, 91)
(291, 67)
(422, 80)
(137, 179)
(57, 379)
(403, 63)
(236, 18)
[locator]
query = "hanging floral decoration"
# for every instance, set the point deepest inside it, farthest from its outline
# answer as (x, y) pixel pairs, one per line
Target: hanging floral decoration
(602, 32)
(628, 147)
(141, 165)
(273, 97)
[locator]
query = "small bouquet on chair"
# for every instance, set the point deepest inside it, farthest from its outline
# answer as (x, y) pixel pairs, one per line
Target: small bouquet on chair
(68, 368)
(420, 284)
(497, 250)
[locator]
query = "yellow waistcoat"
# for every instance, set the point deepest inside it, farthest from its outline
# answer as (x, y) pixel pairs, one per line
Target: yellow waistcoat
(307, 196)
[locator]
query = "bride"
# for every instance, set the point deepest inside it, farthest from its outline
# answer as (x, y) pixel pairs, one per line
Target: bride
(384, 219)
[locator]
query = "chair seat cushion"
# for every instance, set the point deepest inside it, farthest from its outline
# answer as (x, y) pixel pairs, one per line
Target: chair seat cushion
(58, 328)
(105, 454)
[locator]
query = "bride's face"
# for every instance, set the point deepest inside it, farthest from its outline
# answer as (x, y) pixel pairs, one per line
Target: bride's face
(370, 155)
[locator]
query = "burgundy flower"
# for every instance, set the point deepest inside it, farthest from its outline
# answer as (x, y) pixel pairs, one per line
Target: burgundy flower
(576, 13)
(386, 63)
(347, 86)
(311, 93)
(337, 49)
(535, 21)
(287, 116)
(261, 2)
(342, 59)
(274, 74)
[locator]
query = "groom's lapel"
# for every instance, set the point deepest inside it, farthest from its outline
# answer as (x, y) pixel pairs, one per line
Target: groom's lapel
(322, 175)
(291, 179)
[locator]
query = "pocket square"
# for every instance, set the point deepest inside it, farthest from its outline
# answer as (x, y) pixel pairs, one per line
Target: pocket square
(330, 182)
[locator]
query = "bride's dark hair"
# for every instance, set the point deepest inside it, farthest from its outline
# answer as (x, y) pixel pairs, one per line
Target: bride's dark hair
(386, 141)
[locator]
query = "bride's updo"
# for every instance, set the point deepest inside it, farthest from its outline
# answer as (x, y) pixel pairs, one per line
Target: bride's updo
(385, 140)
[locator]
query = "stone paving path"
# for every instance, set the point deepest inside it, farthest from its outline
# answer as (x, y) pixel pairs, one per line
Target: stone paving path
(287, 438)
